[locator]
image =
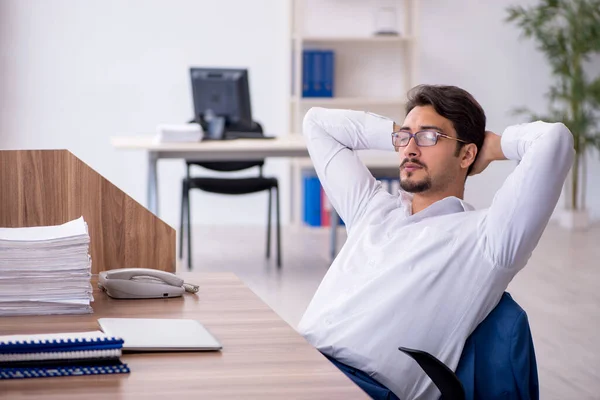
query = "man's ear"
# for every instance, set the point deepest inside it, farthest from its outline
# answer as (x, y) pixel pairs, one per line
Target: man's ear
(468, 155)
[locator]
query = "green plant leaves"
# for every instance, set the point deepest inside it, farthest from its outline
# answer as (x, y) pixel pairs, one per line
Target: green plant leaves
(567, 32)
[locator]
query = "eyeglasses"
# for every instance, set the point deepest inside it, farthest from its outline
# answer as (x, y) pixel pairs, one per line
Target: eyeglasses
(425, 138)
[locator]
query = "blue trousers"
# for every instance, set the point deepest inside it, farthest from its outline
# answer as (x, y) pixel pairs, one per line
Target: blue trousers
(373, 388)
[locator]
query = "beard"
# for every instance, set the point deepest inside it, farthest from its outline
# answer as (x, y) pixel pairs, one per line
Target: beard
(415, 187)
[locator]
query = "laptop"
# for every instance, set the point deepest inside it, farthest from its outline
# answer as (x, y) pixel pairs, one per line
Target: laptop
(144, 334)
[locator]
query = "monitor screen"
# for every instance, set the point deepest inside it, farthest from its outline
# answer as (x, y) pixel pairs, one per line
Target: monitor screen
(222, 92)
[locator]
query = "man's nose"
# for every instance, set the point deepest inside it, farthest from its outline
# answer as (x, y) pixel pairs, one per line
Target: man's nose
(411, 149)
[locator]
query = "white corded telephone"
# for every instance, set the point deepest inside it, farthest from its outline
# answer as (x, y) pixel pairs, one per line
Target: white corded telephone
(142, 283)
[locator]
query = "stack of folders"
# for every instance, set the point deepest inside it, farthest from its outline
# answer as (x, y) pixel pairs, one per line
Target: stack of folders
(67, 354)
(45, 270)
(179, 133)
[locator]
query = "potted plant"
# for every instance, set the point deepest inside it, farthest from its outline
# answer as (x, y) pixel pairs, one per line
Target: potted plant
(568, 33)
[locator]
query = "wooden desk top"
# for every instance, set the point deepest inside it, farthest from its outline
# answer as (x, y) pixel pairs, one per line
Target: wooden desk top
(280, 143)
(262, 356)
(246, 149)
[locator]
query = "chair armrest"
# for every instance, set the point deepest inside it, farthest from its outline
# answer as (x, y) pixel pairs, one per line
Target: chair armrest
(443, 377)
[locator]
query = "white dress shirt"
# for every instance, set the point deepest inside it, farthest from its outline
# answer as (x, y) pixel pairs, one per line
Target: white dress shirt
(423, 281)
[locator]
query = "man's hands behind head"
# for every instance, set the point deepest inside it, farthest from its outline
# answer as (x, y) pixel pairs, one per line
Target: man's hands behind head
(490, 151)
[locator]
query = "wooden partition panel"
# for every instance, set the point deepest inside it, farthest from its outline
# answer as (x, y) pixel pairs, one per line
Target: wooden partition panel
(51, 187)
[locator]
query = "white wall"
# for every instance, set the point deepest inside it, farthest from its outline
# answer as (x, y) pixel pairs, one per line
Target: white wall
(74, 73)
(468, 44)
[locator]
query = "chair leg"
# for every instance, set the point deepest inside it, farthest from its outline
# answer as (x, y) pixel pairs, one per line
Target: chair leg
(269, 225)
(181, 220)
(278, 228)
(189, 230)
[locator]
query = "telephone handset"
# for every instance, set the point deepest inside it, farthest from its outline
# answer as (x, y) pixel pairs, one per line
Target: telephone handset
(142, 283)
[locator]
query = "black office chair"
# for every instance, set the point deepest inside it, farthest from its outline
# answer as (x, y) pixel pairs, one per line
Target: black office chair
(443, 377)
(498, 359)
(230, 186)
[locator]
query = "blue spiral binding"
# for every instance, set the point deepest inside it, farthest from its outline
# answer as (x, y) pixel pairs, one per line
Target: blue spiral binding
(33, 372)
(61, 345)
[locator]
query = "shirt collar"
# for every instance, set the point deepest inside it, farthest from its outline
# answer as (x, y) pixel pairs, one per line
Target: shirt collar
(447, 205)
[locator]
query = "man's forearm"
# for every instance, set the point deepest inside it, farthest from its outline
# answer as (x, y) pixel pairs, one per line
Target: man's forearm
(523, 205)
(331, 136)
(356, 130)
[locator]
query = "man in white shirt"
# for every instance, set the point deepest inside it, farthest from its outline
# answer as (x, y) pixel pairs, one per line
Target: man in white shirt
(422, 268)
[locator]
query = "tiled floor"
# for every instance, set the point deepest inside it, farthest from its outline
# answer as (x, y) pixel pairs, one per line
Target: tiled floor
(559, 289)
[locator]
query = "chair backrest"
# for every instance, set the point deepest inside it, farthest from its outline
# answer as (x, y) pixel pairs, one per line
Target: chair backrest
(498, 358)
(441, 376)
(230, 166)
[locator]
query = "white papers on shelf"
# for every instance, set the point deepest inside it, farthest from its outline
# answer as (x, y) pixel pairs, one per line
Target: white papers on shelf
(45, 270)
(178, 133)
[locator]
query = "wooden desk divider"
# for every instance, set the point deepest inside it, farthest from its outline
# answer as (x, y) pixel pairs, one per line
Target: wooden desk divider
(51, 187)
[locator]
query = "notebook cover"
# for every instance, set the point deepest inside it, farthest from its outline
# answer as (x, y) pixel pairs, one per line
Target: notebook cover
(60, 363)
(54, 343)
(60, 355)
(71, 370)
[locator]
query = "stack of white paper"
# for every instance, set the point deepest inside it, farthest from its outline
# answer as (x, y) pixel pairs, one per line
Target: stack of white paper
(45, 270)
(179, 133)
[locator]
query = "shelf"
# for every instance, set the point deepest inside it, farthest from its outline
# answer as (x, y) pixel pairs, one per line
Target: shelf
(355, 39)
(349, 101)
(372, 73)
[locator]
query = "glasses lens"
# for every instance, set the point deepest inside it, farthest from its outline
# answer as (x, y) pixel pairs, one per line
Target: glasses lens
(426, 138)
(401, 139)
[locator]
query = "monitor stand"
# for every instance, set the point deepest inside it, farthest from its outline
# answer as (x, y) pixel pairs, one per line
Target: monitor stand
(216, 128)
(215, 125)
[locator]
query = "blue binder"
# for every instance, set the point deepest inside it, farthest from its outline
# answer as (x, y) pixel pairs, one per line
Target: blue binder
(312, 201)
(328, 68)
(318, 73)
(306, 74)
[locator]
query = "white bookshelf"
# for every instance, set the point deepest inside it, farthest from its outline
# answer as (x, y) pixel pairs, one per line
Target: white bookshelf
(355, 39)
(371, 73)
(348, 101)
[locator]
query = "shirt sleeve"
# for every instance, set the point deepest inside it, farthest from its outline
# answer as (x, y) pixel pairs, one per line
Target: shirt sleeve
(524, 204)
(332, 138)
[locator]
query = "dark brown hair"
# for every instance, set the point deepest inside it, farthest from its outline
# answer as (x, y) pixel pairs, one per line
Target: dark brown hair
(456, 105)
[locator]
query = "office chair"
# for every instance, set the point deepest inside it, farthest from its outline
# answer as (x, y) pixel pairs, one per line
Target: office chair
(229, 186)
(443, 377)
(498, 360)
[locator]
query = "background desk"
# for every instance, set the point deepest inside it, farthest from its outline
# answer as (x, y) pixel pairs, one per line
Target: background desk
(224, 150)
(262, 356)
(381, 164)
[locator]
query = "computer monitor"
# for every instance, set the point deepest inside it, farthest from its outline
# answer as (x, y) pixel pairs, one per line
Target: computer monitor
(221, 100)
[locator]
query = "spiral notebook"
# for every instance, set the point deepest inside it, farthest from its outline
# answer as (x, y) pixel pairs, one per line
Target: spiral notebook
(62, 354)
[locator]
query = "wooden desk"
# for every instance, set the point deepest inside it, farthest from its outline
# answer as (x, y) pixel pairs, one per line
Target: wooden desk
(262, 356)
(217, 150)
